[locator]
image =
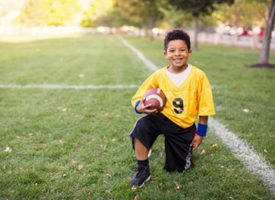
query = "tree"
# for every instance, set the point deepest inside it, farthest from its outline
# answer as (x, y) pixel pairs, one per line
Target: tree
(243, 13)
(32, 14)
(112, 19)
(198, 8)
(144, 13)
(98, 9)
(47, 12)
(58, 12)
(264, 57)
(175, 17)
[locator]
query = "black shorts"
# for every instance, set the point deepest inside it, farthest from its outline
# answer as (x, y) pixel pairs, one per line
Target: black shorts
(177, 139)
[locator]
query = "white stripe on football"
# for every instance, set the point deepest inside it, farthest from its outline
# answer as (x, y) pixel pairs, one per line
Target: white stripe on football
(154, 96)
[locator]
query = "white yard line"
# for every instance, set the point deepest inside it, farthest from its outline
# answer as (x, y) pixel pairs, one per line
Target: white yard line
(77, 87)
(240, 149)
(147, 62)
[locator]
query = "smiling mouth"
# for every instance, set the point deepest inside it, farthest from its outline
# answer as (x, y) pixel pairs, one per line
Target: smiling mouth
(177, 60)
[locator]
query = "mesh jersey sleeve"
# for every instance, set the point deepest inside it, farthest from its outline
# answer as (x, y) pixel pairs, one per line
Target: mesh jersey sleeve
(206, 103)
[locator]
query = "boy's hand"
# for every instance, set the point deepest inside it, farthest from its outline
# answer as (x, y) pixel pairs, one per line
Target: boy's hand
(145, 109)
(197, 140)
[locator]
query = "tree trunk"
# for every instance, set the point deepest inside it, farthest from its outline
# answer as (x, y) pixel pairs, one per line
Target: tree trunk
(264, 58)
(196, 32)
(151, 26)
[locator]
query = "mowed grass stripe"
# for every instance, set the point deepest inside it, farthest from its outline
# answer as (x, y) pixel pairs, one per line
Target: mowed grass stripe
(78, 60)
(240, 149)
(73, 144)
(77, 87)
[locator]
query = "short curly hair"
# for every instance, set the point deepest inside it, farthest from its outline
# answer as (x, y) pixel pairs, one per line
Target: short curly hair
(177, 34)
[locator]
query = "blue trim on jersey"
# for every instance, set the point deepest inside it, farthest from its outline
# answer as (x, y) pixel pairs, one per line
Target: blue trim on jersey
(202, 128)
(137, 103)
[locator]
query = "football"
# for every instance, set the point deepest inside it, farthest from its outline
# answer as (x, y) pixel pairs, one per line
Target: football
(156, 98)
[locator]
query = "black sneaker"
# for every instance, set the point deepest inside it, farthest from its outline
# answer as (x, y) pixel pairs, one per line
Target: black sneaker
(142, 176)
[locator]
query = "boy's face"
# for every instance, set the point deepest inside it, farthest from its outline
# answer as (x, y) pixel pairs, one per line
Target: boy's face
(177, 54)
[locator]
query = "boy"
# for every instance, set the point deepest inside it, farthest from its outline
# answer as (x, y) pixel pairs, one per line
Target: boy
(188, 94)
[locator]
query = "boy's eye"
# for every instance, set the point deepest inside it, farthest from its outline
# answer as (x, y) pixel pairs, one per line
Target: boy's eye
(171, 50)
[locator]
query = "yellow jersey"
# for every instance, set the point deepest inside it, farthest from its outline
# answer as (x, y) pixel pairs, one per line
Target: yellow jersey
(185, 102)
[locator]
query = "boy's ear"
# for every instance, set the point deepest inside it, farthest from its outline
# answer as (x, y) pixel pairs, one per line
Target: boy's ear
(189, 52)
(165, 53)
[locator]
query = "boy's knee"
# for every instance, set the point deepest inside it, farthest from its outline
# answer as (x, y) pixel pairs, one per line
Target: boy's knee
(138, 143)
(142, 124)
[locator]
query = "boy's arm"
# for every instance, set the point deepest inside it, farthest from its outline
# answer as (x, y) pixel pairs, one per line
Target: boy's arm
(138, 101)
(201, 132)
(206, 108)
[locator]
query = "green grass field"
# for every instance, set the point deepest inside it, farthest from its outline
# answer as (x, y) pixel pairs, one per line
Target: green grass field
(73, 144)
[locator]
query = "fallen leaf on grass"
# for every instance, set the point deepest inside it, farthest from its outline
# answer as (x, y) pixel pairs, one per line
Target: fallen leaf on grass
(117, 116)
(134, 189)
(23, 170)
(109, 191)
(229, 170)
(72, 161)
(247, 153)
(80, 167)
(178, 187)
(8, 149)
(246, 110)
(81, 75)
(64, 109)
(77, 116)
(203, 152)
(60, 142)
(265, 151)
(75, 144)
(136, 197)
(214, 145)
